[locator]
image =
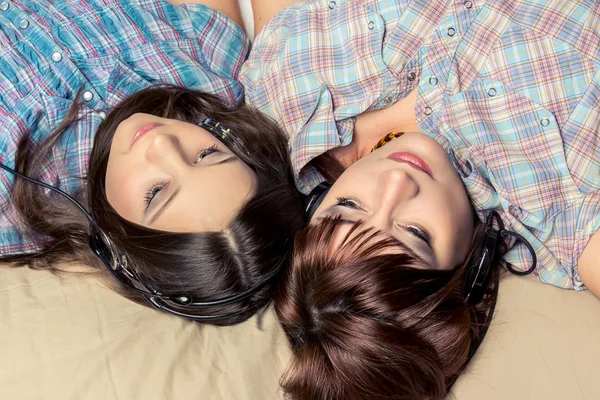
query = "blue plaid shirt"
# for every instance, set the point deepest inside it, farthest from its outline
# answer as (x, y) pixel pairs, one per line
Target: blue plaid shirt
(110, 49)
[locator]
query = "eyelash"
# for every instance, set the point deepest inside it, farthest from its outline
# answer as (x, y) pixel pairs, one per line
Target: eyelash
(414, 230)
(348, 202)
(206, 152)
(155, 189)
(150, 194)
(420, 233)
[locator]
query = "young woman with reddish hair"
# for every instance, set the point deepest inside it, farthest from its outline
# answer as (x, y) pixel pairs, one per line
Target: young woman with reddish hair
(459, 136)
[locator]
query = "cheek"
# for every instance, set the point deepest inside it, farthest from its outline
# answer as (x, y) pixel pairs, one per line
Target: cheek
(119, 191)
(458, 223)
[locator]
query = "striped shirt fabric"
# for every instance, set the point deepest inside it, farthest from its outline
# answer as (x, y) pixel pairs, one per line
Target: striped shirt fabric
(109, 49)
(509, 88)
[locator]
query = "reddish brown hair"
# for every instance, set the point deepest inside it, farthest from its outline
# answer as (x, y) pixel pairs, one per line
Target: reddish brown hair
(363, 324)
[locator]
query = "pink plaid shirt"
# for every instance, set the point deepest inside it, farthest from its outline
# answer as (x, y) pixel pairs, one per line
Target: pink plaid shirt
(509, 88)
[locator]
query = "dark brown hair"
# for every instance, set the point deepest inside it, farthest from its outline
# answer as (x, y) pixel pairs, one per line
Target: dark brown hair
(206, 266)
(368, 325)
(328, 166)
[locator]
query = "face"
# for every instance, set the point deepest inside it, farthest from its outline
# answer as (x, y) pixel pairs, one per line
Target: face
(174, 176)
(409, 190)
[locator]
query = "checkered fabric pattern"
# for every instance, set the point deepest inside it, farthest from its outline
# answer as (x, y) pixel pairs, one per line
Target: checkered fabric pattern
(509, 88)
(110, 49)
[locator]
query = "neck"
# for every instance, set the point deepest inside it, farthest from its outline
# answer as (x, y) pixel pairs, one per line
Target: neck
(371, 126)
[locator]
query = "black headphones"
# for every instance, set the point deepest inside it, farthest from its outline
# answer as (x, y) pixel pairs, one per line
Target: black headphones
(479, 272)
(116, 263)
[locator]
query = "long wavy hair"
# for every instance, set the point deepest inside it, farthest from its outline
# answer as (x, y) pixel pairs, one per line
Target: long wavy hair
(364, 324)
(204, 265)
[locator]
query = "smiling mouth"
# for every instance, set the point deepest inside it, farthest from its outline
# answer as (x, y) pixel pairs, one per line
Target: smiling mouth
(142, 131)
(412, 160)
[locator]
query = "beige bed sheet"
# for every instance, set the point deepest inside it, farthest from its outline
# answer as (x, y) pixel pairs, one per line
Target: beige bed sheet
(71, 339)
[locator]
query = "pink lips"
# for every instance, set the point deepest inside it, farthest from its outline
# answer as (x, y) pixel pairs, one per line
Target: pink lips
(411, 160)
(142, 131)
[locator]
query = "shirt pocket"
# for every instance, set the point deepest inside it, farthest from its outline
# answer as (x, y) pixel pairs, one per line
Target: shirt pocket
(111, 79)
(524, 152)
(517, 145)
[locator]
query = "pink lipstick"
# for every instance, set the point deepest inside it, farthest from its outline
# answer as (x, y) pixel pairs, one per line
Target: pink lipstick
(411, 160)
(142, 131)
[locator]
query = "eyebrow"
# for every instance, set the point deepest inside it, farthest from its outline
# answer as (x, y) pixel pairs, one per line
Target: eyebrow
(165, 205)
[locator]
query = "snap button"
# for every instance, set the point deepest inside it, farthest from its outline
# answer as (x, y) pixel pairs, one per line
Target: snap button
(451, 31)
(428, 110)
(56, 56)
(4, 6)
(387, 100)
(545, 122)
(411, 76)
(332, 5)
(433, 81)
(492, 92)
(102, 114)
(514, 211)
(468, 4)
(87, 95)
(23, 24)
(371, 25)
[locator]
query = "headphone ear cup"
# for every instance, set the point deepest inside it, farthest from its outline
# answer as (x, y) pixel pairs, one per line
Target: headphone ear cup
(315, 198)
(471, 273)
(477, 277)
(101, 248)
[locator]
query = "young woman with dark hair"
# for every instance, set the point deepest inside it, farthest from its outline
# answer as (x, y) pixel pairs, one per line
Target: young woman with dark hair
(498, 102)
(191, 195)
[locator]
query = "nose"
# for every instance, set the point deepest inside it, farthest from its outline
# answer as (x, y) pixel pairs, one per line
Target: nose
(165, 152)
(395, 189)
